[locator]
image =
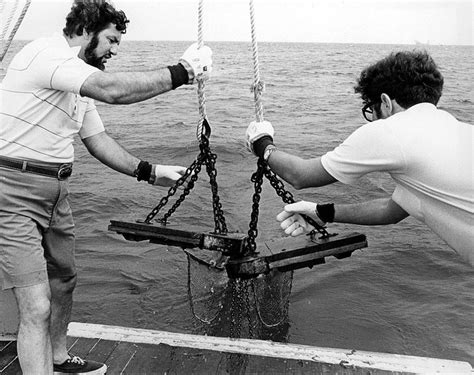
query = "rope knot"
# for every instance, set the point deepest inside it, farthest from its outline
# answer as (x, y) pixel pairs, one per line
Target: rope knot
(258, 88)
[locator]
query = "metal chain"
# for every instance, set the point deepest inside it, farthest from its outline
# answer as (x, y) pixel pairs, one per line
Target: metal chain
(193, 169)
(246, 288)
(257, 178)
(236, 309)
(207, 157)
(220, 225)
(287, 197)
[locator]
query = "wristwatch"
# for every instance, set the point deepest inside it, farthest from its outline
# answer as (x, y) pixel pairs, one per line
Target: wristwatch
(152, 178)
(268, 151)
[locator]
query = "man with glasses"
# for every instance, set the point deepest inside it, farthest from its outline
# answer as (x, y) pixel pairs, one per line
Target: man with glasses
(426, 151)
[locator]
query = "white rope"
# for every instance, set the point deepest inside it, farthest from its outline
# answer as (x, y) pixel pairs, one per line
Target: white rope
(12, 12)
(201, 85)
(257, 86)
(15, 28)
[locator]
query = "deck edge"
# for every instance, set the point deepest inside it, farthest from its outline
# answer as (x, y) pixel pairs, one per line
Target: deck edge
(344, 357)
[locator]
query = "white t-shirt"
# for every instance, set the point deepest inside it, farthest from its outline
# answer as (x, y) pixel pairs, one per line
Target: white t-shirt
(40, 106)
(430, 156)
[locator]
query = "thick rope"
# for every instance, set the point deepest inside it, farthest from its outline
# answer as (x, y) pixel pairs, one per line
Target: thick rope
(201, 95)
(257, 86)
(10, 18)
(15, 28)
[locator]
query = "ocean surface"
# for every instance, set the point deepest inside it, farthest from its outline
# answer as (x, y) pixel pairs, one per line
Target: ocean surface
(407, 293)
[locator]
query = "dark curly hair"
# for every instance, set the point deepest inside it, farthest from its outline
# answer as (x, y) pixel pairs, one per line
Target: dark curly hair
(93, 16)
(408, 77)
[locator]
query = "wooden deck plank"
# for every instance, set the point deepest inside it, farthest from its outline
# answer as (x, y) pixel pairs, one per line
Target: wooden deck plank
(71, 341)
(4, 344)
(121, 357)
(13, 369)
(151, 359)
(7, 355)
(295, 367)
(306, 367)
(235, 363)
(262, 365)
(197, 361)
(83, 346)
(102, 350)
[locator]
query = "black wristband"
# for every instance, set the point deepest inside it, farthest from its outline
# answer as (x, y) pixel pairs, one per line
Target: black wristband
(325, 212)
(261, 144)
(179, 75)
(143, 171)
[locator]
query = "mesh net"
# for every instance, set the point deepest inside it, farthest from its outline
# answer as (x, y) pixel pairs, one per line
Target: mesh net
(207, 284)
(250, 308)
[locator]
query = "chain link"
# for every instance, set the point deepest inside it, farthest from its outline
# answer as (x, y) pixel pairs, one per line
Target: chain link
(207, 157)
(236, 309)
(246, 289)
(220, 225)
(257, 179)
(287, 197)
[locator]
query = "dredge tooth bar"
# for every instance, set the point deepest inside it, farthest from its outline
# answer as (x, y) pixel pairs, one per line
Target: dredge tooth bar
(291, 253)
(283, 254)
(230, 243)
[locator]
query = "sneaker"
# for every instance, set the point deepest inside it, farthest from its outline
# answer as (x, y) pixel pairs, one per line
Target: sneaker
(76, 365)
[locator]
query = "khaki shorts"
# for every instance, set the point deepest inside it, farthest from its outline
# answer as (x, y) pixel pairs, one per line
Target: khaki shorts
(36, 229)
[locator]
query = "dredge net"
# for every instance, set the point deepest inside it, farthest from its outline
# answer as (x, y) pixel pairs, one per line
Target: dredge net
(238, 308)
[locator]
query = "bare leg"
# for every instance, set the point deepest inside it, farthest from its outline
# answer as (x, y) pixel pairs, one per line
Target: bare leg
(61, 306)
(33, 341)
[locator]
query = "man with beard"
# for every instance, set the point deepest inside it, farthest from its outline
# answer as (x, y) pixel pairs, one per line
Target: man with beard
(47, 97)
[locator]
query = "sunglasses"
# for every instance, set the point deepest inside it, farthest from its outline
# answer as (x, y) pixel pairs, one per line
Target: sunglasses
(368, 110)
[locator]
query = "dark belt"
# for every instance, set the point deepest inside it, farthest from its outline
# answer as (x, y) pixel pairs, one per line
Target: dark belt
(61, 172)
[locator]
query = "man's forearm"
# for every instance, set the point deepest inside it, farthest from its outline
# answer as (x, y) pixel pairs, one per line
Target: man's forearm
(375, 212)
(300, 173)
(109, 152)
(127, 87)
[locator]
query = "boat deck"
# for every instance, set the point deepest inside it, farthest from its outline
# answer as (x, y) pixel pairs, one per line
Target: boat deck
(137, 351)
(133, 358)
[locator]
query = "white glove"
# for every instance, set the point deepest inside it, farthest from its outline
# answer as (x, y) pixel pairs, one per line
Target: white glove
(166, 175)
(293, 223)
(198, 62)
(257, 130)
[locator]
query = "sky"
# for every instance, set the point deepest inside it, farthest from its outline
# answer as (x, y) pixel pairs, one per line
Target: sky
(445, 22)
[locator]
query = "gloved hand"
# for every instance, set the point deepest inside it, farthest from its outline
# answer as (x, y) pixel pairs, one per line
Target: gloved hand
(293, 223)
(198, 62)
(257, 130)
(166, 175)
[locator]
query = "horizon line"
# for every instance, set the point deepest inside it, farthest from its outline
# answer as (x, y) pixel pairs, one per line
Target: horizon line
(415, 43)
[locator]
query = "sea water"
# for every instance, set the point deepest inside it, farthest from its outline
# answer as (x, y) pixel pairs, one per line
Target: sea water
(407, 293)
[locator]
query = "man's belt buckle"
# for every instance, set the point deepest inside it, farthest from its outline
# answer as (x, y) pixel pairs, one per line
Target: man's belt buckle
(64, 171)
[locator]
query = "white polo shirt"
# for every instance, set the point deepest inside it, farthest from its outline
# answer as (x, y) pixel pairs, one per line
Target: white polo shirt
(430, 156)
(40, 106)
